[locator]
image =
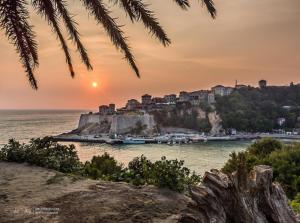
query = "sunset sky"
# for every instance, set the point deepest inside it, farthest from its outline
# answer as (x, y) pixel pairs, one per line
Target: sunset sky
(249, 40)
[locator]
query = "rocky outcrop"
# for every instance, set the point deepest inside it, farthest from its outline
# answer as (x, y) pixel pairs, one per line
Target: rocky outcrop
(122, 124)
(241, 198)
(238, 198)
(115, 124)
(215, 121)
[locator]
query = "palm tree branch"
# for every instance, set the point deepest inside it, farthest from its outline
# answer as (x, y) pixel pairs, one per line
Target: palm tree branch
(101, 15)
(184, 4)
(210, 5)
(45, 8)
(13, 19)
(70, 24)
(125, 4)
(140, 12)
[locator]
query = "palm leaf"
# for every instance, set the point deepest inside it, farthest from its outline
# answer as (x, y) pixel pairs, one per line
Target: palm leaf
(70, 24)
(184, 4)
(210, 5)
(137, 10)
(101, 15)
(13, 19)
(46, 9)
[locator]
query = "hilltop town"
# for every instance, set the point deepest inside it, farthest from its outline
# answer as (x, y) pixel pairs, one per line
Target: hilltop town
(194, 98)
(221, 113)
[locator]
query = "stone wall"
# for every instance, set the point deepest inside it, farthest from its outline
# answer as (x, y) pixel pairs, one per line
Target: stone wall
(119, 124)
(86, 119)
(122, 124)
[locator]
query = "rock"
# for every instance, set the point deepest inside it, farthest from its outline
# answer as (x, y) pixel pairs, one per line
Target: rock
(242, 198)
(235, 198)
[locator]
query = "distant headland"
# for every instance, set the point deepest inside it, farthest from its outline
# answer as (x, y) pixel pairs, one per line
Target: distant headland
(222, 113)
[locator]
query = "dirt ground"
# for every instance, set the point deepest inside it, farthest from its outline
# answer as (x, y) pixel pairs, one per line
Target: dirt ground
(35, 194)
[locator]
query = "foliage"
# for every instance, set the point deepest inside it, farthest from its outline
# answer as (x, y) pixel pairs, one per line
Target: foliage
(14, 21)
(103, 167)
(140, 171)
(42, 152)
(172, 174)
(257, 110)
(183, 117)
(264, 147)
(285, 160)
(162, 173)
(295, 204)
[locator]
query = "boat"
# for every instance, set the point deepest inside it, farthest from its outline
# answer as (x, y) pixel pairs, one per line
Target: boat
(134, 141)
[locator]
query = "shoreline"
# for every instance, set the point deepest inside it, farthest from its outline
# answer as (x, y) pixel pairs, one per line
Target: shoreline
(184, 139)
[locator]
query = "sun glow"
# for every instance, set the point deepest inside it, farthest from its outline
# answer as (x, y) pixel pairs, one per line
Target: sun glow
(94, 84)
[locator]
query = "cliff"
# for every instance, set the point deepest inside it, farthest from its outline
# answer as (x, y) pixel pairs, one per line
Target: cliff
(116, 124)
(237, 198)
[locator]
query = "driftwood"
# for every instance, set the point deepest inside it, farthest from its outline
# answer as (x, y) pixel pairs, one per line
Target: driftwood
(240, 198)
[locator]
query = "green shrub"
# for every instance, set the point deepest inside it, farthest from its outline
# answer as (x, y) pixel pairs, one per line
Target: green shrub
(286, 168)
(285, 160)
(295, 204)
(13, 151)
(139, 171)
(103, 167)
(42, 152)
(172, 174)
(46, 153)
(162, 173)
(264, 147)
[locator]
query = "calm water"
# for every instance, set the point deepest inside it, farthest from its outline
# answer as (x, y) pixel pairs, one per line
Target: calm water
(24, 125)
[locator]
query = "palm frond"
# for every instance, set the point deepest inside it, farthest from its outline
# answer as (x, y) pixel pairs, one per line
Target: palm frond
(13, 19)
(184, 4)
(46, 9)
(125, 4)
(137, 10)
(210, 5)
(70, 24)
(101, 15)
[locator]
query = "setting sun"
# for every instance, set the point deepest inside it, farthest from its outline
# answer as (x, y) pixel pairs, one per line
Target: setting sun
(94, 84)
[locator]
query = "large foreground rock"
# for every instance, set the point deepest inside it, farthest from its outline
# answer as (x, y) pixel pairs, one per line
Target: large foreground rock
(34, 194)
(242, 197)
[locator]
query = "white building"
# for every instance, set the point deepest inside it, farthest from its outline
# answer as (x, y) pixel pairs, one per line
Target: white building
(222, 90)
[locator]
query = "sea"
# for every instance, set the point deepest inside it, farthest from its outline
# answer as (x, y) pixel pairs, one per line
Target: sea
(23, 125)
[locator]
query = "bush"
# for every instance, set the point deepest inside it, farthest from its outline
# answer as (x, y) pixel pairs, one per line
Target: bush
(264, 147)
(42, 152)
(139, 171)
(46, 153)
(103, 167)
(172, 174)
(163, 173)
(295, 204)
(285, 160)
(13, 151)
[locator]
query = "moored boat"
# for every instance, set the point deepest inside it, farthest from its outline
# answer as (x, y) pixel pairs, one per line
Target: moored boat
(134, 141)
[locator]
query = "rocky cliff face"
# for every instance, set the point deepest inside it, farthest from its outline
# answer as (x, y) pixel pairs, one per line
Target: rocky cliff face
(215, 122)
(241, 198)
(115, 124)
(122, 124)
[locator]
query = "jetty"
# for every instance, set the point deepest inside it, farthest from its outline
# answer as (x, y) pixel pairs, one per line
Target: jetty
(175, 138)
